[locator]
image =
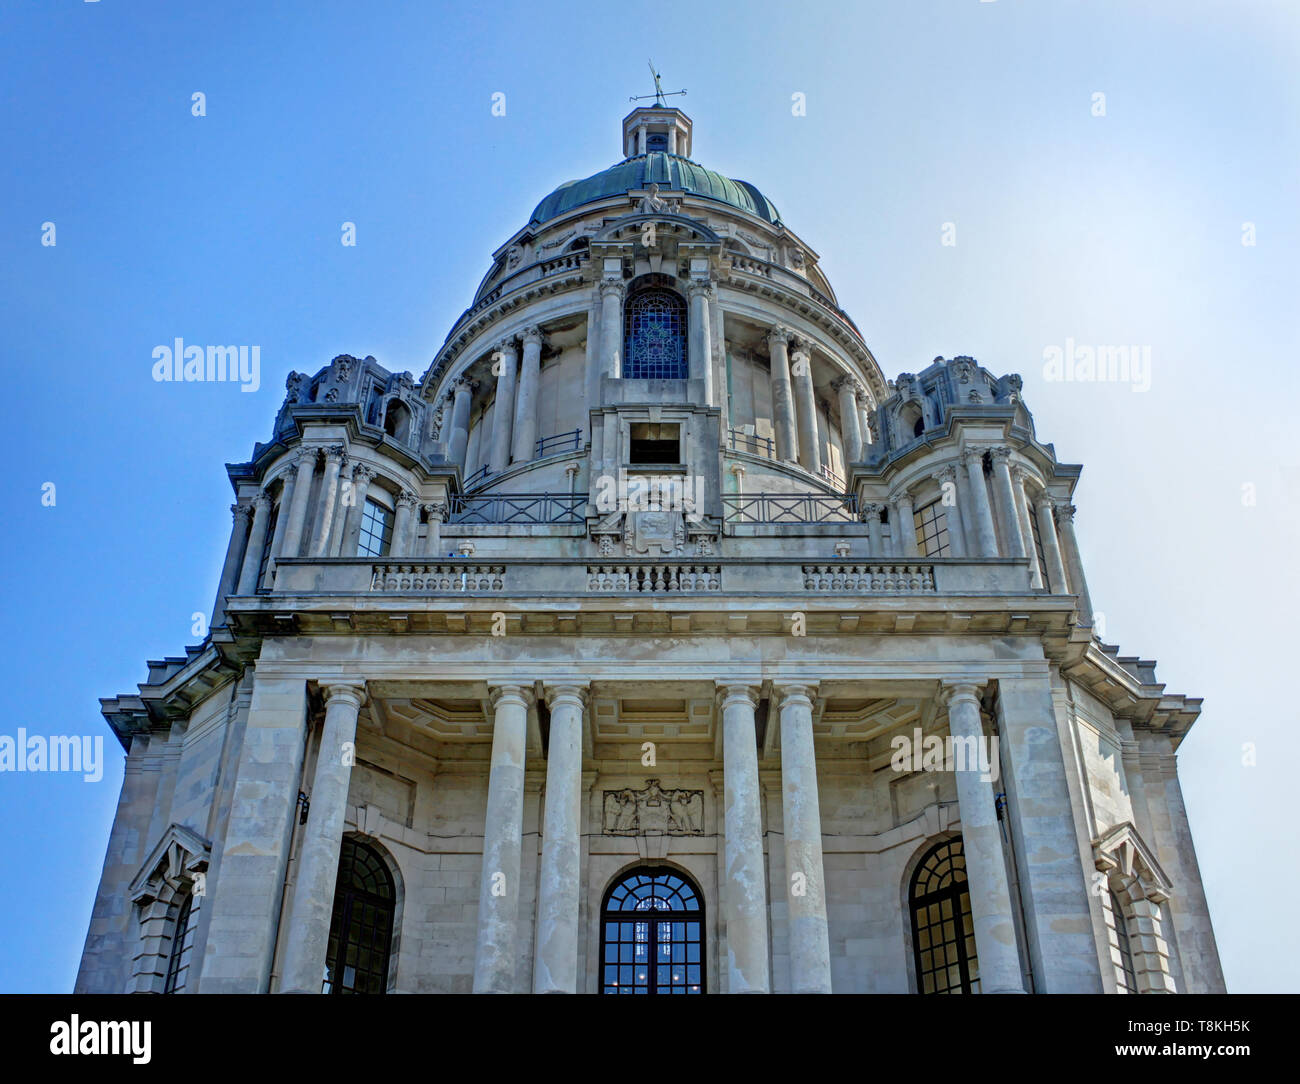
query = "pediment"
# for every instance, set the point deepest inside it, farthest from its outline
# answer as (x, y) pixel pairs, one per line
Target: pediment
(180, 852)
(1122, 849)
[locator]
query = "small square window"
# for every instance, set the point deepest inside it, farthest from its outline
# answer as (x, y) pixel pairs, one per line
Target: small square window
(654, 444)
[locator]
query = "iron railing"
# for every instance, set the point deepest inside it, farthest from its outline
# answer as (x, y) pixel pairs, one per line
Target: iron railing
(740, 441)
(561, 508)
(477, 478)
(832, 477)
(562, 442)
(790, 507)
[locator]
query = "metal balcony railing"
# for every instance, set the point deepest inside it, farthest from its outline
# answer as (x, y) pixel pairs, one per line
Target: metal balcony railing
(790, 507)
(740, 441)
(477, 478)
(832, 477)
(562, 442)
(553, 508)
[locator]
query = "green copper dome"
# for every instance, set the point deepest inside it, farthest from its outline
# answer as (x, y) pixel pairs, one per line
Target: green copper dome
(670, 173)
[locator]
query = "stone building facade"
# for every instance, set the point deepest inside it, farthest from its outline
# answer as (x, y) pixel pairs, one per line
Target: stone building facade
(653, 641)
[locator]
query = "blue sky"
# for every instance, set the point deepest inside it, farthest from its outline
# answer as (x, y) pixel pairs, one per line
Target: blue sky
(1117, 229)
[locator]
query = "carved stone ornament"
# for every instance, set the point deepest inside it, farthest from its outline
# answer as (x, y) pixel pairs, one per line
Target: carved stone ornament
(653, 811)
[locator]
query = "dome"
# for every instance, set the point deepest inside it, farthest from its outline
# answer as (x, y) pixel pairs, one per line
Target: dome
(669, 172)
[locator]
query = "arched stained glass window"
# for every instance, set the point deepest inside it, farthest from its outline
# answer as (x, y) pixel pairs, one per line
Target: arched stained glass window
(1127, 975)
(361, 931)
(654, 341)
(652, 935)
(943, 934)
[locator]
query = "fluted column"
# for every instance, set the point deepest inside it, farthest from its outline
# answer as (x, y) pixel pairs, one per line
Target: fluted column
(1074, 560)
(505, 365)
(985, 533)
(305, 468)
(318, 862)
(434, 513)
(525, 433)
(986, 870)
(327, 505)
(612, 292)
(847, 390)
(745, 897)
(810, 451)
(1056, 581)
(864, 412)
(701, 341)
(872, 513)
(1018, 478)
(241, 513)
(783, 420)
(810, 951)
(256, 544)
(947, 481)
(402, 533)
(1007, 499)
(462, 394)
(498, 905)
(555, 961)
(905, 538)
(362, 476)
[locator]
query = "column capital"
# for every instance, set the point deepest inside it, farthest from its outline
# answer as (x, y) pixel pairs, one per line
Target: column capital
(699, 288)
(436, 511)
(727, 691)
(363, 475)
(801, 349)
(335, 452)
(464, 384)
(1064, 511)
(306, 453)
(353, 692)
(973, 455)
(566, 690)
(951, 692)
(614, 287)
(262, 501)
(873, 508)
(532, 335)
(779, 336)
(407, 499)
(899, 495)
(505, 693)
(945, 474)
(1020, 473)
(508, 345)
(241, 511)
(845, 382)
(862, 395)
(1000, 454)
(1044, 501)
(795, 690)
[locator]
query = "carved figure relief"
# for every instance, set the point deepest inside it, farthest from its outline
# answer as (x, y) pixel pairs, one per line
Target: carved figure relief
(653, 811)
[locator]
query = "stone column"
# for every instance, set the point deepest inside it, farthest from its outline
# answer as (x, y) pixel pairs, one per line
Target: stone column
(810, 451)
(612, 292)
(234, 556)
(555, 963)
(318, 862)
(783, 421)
(1073, 560)
(435, 513)
(505, 364)
(871, 513)
(810, 951)
(701, 341)
(847, 389)
(402, 525)
(525, 432)
(328, 503)
(306, 467)
(864, 411)
(905, 535)
(256, 545)
(986, 870)
(1018, 478)
(985, 533)
(745, 902)
(1007, 498)
(462, 392)
(281, 523)
(947, 481)
(1056, 582)
(362, 476)
(498, 904)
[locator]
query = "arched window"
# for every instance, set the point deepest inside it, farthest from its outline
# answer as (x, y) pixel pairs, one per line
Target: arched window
(943, 934)
(652, 935)
(654, 341)
(397, 420)
(361, 931)
(1126, 975)
(178, 960)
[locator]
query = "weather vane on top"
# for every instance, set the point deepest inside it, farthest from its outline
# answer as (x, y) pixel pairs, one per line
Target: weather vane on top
(659, 93)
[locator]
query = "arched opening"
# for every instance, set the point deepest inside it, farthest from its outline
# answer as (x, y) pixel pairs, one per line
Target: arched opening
(361, 930)
(1125, 972)
(912, 420)
(397, 420)
(943, 932)
(652, 934)
(184, 924)
(654, 336)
